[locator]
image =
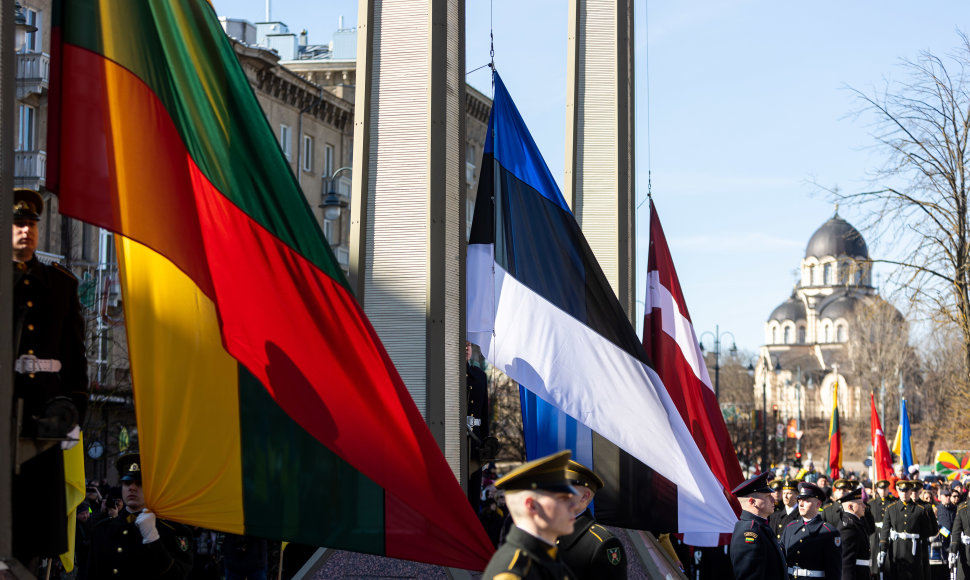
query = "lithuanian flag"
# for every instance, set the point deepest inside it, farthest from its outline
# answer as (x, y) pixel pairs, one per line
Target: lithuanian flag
(266, 404)
(835, 436)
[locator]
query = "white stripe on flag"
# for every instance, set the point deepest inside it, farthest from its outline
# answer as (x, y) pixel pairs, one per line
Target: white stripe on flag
(676, 326)
(574, 368)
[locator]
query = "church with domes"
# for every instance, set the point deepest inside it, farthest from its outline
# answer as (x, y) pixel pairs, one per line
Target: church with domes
(806, 336)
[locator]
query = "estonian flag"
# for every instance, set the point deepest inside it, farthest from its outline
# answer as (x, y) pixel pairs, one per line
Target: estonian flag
(542, 311)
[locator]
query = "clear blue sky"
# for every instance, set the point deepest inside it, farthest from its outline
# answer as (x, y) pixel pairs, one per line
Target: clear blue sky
(747, 107)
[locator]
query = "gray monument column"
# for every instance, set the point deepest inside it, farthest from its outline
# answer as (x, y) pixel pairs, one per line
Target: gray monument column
(600, 168)
(407, 209)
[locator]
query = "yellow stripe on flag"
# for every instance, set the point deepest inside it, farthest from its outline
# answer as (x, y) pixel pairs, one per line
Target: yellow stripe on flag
(186, 394)
(75, 491)
(898, 441)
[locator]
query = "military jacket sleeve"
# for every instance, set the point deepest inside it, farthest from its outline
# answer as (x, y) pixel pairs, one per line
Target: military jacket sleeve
(754, 552)
(117, 551)
(956, 537)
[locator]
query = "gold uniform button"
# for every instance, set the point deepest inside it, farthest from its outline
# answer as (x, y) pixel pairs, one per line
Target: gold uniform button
(30, 304)
(26, 282)
(120, 550)
(31, 375)
(30, 351)
(124, 532)
(30, 327)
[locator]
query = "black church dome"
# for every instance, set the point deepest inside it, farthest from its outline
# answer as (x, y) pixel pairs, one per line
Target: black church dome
(836, 238)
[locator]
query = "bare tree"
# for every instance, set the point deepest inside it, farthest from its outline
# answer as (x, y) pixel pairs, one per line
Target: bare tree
(920, 203)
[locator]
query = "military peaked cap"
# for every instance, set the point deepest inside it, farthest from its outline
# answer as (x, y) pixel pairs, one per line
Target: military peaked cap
(756, 484)
(27, 205)
(546, 473)
(579, 474)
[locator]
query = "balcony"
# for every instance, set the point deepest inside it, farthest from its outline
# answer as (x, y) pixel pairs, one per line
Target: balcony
(33, 73)
(30, 169)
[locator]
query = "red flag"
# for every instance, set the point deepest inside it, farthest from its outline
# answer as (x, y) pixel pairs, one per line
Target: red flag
(670, 340)
(835, 436)
(881, 458)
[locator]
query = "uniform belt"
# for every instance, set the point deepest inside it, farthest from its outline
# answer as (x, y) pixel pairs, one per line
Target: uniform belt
(28, 363)
(865, 563)
(894, 535)
(878, 524)
(803, 573)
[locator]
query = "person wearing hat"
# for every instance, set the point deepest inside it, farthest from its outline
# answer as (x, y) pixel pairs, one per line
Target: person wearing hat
(781, 518)
(754, 551)
(542, 501)
(832, 513)
(50, 382)
(959, 557)
(775, 486)
(135, 544)
(591, 551)
(903, 538)
(877, 509)
(856, 550)
(813, 548)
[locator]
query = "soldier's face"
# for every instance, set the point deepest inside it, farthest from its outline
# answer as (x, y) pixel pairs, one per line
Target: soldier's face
(764, 503)
(133, 495)
(554, 512)
(808, 508)
(882, 491)
(24, 237)
(788, 496)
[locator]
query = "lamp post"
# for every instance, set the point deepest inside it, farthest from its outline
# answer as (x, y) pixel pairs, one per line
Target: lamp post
(766, 366)
(330, 200)
(717, 335)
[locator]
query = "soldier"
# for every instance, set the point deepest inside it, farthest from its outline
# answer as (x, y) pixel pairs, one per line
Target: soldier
(591, 551)
(908, 527)
(812, 547)
(50, 383)
(542, 503)
(781, 518)
(877, 509)
(135, 544)
(754, 551)
(775, 486)
(960, 540)
(832, 513)
(855, 537)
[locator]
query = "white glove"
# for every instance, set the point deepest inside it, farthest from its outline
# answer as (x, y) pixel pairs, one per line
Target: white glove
(880, 560)
(73, 437)
(953, 559)
(146, 525)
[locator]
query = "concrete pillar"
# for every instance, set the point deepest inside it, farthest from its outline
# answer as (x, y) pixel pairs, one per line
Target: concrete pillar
(407, 207)
(600, 136)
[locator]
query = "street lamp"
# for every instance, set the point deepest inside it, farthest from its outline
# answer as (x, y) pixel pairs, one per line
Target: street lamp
(717, 335)
(766, 365)
(331, 202)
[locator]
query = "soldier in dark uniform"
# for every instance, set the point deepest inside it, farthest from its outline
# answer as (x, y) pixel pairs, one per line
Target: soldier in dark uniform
(813, 548)
(477, 418)
(960, 542)
(781, 518)
(855, 537)
(50, 383)
(877, 509)
(135, 544)
(908, 528)
(754, 551)
(832, 513)
(542, 503)
(591, 551)
(775, 486)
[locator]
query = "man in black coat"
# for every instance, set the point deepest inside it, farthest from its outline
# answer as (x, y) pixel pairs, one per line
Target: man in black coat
(754, 552)
(477, 418)
(811, 546)
(542, 503)
(904, 536)
(50, 383)
(778, 520)
(591, 551)
(960, 542)
(877, 509)
(832, 513)
(855, 537)
(135, 545)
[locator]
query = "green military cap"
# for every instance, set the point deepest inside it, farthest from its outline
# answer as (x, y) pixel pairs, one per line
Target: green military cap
(129, 467)
(579, 474)
(546, 473)
(882, 484)
(27, 205)
(842, 484)
(905, 485)
(775, 484)
(789, 484)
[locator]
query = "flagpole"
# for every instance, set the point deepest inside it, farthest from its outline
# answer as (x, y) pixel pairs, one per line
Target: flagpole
(8, 82)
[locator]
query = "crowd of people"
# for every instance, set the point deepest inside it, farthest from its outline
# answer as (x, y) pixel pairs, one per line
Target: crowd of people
(888, 529)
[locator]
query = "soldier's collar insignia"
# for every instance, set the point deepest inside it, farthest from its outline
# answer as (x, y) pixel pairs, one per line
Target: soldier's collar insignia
(838, 541)
(613, 554)
(183, 543)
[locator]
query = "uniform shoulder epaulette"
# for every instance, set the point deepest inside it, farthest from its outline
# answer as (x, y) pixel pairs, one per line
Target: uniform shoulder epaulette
(62, 269)
(519, 567)
(507, 576)
(962, 506)
(601, 533)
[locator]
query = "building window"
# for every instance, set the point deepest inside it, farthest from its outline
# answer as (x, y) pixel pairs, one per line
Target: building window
(827, 276)
(28, 123)
(787, 335)
(828, 333)
(286, 139)
(33, 43)
(328, 160)
(774, 335)
(307, 153)
(816, 276)
(328, 231)
(840, 333)
(801, 335)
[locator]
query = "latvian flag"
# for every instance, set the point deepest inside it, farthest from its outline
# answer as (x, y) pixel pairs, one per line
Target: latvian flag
(542, 311)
